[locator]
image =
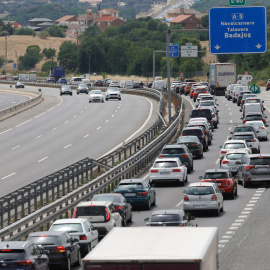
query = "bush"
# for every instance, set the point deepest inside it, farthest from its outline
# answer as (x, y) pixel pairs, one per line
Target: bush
(2, 61)
(24, 32)
(4, 72)
(43, 34)
(46, 67)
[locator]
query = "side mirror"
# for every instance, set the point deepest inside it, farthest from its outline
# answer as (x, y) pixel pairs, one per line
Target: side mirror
(231, 132)
(220, 146)
(240, 110)
(191, 218)
(262, 101)
(75, 240)
(184, 191)
(200, 177)
(217, 104)
(222, 190)
(146, 219)
(265, 117)
(267, 125)
(229, 138)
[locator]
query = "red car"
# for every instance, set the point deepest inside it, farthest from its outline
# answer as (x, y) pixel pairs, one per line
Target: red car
(98, 83)
(199, 90)
(223, 179)
(3, 77)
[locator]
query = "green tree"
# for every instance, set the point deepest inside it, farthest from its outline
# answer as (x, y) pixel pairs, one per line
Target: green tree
(31, 57)
(43, 34)
(49, 53)
(56, 31)
(205, 21)
(67, 55)
(24, 31)
(46, 67)
(2, 61)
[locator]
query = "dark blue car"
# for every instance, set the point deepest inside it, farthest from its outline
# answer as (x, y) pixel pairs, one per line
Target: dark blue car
(137, 192)
(62, 80)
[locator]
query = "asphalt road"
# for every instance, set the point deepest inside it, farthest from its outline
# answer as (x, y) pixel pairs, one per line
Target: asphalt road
(8, 100)
(63, 130)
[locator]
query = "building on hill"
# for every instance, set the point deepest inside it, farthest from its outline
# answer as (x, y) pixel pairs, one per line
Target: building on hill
(109, 11)
(106, 20)
(67, 20)
(184, 11)
(39, 24)
(187, 21)
(14, 24)
(86, 20)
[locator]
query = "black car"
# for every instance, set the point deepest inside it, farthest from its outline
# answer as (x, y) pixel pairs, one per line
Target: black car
(199, 132)
(240, 96)
(136, 84)
(82, 88)
(24, 255)
(60, 247)
(206, 113)
(121, 205)
(169, 217)
(19, 85)
(181, 151)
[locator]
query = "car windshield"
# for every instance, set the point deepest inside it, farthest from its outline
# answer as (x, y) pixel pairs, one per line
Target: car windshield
(65, 87)
(248, 96)
(234, 145)
(187, 139)
(12, 254)
(235, 156)
(67, 227)
(83, 86)
(173, 151)
(45, 239)
(260, 161)
(197, 132)
(114, 89)
(215, 175)
(130, 186)
(115, 199)
(200, 190)
(165, 164)
(244, 129)
(165, 218)
(96, 92)
(207, 98)
(208, 103)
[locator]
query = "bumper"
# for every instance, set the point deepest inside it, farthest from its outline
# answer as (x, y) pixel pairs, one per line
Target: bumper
(137, 201)
(113, 97)
(200, 206)
(60, 259)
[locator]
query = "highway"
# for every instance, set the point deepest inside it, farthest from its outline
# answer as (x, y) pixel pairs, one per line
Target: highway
(63, 130)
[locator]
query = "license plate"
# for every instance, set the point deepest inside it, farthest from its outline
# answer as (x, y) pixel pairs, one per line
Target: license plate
(219, 184)
(130, 194)
(199, 206)
(262, 169)
(233, 169)
(164, 173)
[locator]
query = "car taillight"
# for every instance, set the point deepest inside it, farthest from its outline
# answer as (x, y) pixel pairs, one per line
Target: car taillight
(74, 214)
(214, 198)
(206, 131)
(262, 127)
(234, 94)
(184, 156)
(107, 214)
(143, 193)
(253, 140)
(182, 134)
(60, 249)
(223, 152)
(242, 101)
(161, 156)
(229, 183)
(186, 198)
(26, 262)
(244, 121)
(118, 208)
(83, 237)
(263, 120)
(250, 167)
(181, 225)
(176, 170)
(153, 171)
(225, 161)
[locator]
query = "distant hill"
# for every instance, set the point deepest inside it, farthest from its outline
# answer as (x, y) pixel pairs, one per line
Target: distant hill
(204, 5)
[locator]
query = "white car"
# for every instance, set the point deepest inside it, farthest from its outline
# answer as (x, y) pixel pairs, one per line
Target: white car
(96, 96)
(260, 128)
(204, 97)
(114, 84)
(203, 196)
(101, 214)
(113, 93)
(78, 228)
(233, 144)
(168, 170)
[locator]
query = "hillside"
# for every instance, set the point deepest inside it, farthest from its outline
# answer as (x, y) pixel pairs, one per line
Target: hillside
(17, 45)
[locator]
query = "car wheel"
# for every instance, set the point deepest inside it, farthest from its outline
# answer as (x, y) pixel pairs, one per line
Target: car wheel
(119, 98)
(222, 208)
(89, 101)
(192, 167)
(154, 202)
(106, 99)
(67, 266)
(236, 191)
(149, 204)
(124, 222)
(130, 219)
(79, 261)
(217, 212)
(89, 248)
(232, 194)
(186, 179)
(102, 100)
(78, 93)
(244, 183)
(189, 169)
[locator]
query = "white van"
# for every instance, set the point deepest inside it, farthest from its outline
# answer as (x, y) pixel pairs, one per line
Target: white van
(230, 89)
(128, 84)
(252, 108)
(87, 82)
(236, 91)
(76, 80)
(159, 85)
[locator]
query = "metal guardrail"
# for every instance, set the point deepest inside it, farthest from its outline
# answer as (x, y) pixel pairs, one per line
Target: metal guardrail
(63, 190)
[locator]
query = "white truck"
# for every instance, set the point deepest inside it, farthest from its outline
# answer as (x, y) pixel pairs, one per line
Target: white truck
(28, 77)
(221, 75)
(156, 248)
(159, 85)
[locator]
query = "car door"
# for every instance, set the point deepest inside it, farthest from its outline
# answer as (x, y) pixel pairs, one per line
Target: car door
(92, 232)
(219, 196)
(115, 215)
(150, 190)
(40, 261)
(71, 247)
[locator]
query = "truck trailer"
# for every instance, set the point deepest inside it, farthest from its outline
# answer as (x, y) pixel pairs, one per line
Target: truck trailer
(57, 72)
(221, 75)
(156, 248)
(27, 77)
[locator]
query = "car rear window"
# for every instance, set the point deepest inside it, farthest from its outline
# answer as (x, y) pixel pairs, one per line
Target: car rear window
(45, 240)
(173, 151)
(252, 101)
(243, 137)
(254, 116)
(188, 139)
(215, 175)
(208, 103)
(13, 254)
(91, 210)
(260, 161)
(244, 129)
(165, 218)
(201, 113)
(196, 132)
(130, 186)
(235, 156)
(234, 145)
(165, 164)
(67, 227)
(201, 190)
(115, 199)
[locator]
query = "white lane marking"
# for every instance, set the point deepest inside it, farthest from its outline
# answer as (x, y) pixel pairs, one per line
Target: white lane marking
(98, 128)
(54, 128)
(86, 108)
(106, 121)
(230, 113)
(230, 128)
(81, 111)
(131, 136)
(112, 115)
(6, 131)
(74, 116)
(66, 121)
(217, 160)
(116, 111)
(85, 136)
(42, 159)
(24, 122)
(39, 115)
(118, 107)
(15, 147)
(229, 108)
(8, 176)
(181, 202)
(67, 146)
(38, 136)
(230, 121)
(51, 109)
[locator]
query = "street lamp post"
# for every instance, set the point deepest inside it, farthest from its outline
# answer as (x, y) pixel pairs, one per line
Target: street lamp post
(89, 64)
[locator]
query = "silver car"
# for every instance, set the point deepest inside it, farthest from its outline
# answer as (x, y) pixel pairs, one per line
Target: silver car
(96, 96)
(232, 160)
(260, 129)
(203, 196)
(113, 93)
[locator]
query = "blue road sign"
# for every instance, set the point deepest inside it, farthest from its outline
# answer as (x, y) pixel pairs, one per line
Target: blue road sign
(14, 65)
(237, 30)
(174, 51)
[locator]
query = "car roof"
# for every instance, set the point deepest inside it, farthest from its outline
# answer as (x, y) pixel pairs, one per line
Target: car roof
(69, 220)
(234, 151)
(235, 141)
(97, 203)
(125, 181)
(190, 128)
(14, 244)
(175, 146)
(254, 113)
(188, 136)
(216, 170)
(258, 155)
(167, 211)
(49, 233)
(201, 184)
(167, 159)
